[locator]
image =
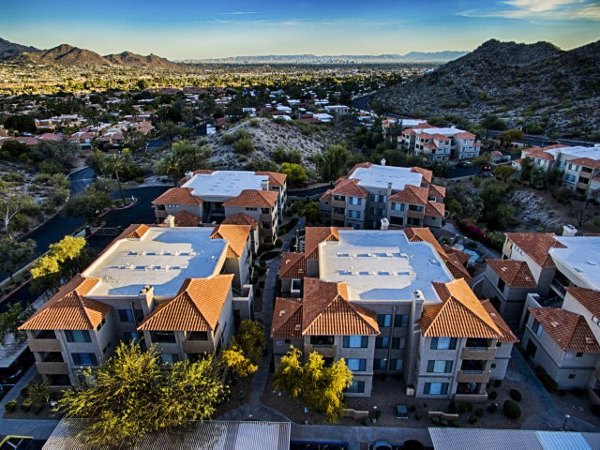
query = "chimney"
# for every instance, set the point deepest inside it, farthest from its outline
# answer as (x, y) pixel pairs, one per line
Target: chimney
(383, 161)
(170, 221)
(264, 185)
(389, 189)
(418, 295)
(569, 230)
(147, 299)
(385, 224)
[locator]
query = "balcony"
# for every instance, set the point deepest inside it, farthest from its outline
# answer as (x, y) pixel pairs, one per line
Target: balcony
(473, 376)
(478, 353)
(52, 368)
(191, 346)
(44, 345)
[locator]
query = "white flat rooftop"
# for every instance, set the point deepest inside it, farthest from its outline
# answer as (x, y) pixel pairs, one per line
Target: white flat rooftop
(449, 131)
(582, 256)
(382, 265)
(379, 177)
(224, 184)
(163, 258)
(577, 152)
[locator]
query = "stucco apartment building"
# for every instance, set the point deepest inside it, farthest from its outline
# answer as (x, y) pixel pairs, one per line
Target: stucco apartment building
(391, 302)
(183, 289)
(439, 144)
(218, 196)
(542, 264)
(580, 165)
(370, 192)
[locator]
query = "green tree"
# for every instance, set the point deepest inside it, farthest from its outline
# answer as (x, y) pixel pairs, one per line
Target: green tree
(13, 207)
(113, 165)
(538, 178)
(15, 254)
(312, 212)
(296, 174)
(251, 339)
(133, 394)
(184, 157)
(12, 319)
(235, 359)
(21, 122)
(504, 172)
(507, 137)
(334, 162)
(321, 387)
(88, 204)
(492, 122)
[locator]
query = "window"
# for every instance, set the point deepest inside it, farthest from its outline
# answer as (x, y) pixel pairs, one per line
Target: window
(382, 342)
(397, 206)
(493, 366)
(339, 198)
(384, 320)
(398, 343)
(355, 341)
(401, 320)
(84, 359)
(572, 376)
(323, 341)
(78, 336)
(165, 337)
(443, 343)
(356, 364)
(357, 387)
(435, 389)
(396, 364)
(251, 209)
(169, 358)
(354, 214)
(355, 201)
(380, 364)
(129, 315)
(265, 210)
(501, 284)
(198, 336)
(579, 355)
(537, 328)
(439, 366)
(418, 208)
(131, 336)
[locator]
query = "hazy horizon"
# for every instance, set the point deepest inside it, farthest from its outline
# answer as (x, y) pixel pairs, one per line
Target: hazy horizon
(184, 29)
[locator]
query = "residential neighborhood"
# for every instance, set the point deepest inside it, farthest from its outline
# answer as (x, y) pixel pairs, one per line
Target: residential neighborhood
(301, 227)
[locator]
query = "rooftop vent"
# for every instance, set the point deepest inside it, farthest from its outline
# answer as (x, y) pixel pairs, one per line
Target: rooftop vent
(554, 324)
(298, 327)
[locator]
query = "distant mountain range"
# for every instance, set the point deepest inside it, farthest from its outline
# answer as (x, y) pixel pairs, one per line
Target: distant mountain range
(335, 59)
(9, 49)
(68, 55)
(523, 83)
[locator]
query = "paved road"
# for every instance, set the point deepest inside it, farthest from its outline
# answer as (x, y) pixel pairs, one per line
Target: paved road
(308, 192)
(362, 103)
(534, 139)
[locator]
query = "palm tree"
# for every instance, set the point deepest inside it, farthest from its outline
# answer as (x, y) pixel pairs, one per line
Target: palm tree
(170, 166)
(114, 165)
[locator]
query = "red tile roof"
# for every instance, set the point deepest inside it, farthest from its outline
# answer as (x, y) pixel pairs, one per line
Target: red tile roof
(460, 315)
(589, 298)
(69, 309)
(236, 236)
(178, 196)
(241, 219)
(326, 311)
(315, 235)
(253, 198)
(536, 245)
(186, 219)
(435, 209)
(414, 195)
(349, 188)
(568, 330)
(196, 307)
(138, 232)
(287, 319)
(437, 191)
(514, 273)
(586, 162)
(293, 265)
(427, 174)
(275, 178)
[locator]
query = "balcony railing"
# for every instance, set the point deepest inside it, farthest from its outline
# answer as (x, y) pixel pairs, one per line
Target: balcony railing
(44, 345)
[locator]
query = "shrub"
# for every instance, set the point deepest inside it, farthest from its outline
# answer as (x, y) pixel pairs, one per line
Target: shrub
(511, 409)
(411, 408)
(418, 416)
(478, 412)
(26, 405)
(492, 408)
(11, 406)
(493, 395)
(497, 383)
(24, 392)
(464, 408)
(515, 394)
(594, 409)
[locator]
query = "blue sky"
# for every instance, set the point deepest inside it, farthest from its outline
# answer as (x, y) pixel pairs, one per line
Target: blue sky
(181, 29)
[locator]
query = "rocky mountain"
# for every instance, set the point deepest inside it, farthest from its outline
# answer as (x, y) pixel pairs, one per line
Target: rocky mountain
(9, 49)
(522, 83)
(68, 55)
(133, 59)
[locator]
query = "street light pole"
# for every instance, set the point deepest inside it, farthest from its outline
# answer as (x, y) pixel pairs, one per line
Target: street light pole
(567, 417)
